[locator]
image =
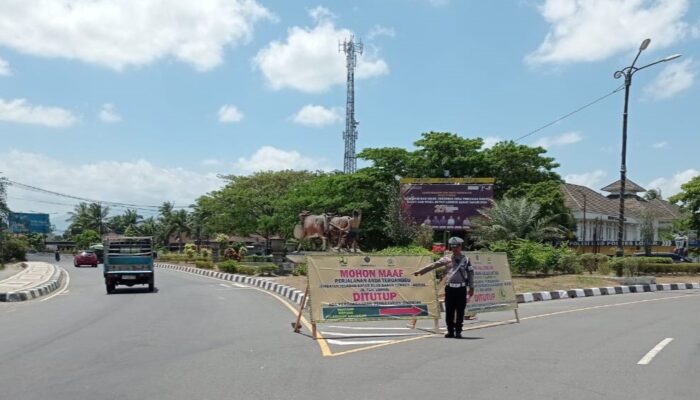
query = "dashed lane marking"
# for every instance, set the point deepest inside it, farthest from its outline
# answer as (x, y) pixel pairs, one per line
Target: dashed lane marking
(653, 352)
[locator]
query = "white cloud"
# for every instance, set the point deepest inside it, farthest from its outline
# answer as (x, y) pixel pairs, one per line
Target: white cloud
(19, 111)
(148, 184)
(269, 158)
(122, 33)
(675, 78)
(378, 30)
(308, 60)
(491, 141)
(672, 185)
(109, 114)
(318, 116)
(591, 30)
(561, 140)
(695, 30)
(659, 145)
(4, 68)
(587, 179)
(320, 13)
(229, 113)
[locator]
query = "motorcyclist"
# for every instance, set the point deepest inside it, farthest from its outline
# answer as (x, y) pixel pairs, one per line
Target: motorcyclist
(57, 255)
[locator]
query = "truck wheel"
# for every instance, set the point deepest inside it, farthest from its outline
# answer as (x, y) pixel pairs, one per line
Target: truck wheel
(151, 285)
(110, 288)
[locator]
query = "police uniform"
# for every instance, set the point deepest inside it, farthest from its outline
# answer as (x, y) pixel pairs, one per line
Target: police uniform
(459, 275)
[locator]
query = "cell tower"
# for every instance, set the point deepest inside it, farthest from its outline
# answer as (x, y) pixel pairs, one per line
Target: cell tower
(351, 50)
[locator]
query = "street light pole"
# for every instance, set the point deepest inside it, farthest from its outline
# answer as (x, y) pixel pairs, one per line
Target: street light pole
(628, 72)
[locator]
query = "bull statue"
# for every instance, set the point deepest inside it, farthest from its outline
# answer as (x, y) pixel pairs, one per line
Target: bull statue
(312, 226)
(344, 231)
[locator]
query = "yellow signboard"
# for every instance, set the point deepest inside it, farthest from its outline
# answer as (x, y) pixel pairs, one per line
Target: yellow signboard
(366, 287)
(493, 285)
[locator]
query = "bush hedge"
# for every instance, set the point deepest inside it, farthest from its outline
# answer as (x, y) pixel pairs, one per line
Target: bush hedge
(256, 258)
(631, 266)
(229, 266)
(204, 264)
(300, 269)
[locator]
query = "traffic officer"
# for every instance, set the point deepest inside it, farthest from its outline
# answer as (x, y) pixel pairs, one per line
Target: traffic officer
(459, 275)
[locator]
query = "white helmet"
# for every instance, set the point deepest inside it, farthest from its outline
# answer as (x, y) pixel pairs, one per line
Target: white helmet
(455, 242)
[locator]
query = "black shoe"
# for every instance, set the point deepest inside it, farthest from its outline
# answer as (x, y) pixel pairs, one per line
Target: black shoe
(458, 335)
(449, 335)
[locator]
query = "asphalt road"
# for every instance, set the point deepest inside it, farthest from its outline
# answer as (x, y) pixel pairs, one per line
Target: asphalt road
(199, 338)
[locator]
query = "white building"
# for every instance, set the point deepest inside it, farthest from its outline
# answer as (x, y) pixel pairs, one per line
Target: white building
(597, 215)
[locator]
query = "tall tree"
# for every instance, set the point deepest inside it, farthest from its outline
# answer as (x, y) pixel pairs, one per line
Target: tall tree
(652, 194)
(92, 216)
(178, 224)
(689, 200)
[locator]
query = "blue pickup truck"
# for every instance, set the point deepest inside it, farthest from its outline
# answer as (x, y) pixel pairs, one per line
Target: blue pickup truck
(128, 261)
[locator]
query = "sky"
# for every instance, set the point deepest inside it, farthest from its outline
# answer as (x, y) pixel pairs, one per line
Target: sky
(145, 101)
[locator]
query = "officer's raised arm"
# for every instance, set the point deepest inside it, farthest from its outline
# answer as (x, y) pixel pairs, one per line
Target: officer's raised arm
(437, 264)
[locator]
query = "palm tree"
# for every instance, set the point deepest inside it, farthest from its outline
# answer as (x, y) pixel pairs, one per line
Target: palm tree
(88, 216)
(509, 219)
(198, 225)
(178, 224)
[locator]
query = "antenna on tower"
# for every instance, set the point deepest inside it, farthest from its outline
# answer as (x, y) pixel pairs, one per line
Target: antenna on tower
(351, 50)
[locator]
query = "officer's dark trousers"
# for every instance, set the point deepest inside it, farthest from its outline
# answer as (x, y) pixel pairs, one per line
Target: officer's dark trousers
(455, 302)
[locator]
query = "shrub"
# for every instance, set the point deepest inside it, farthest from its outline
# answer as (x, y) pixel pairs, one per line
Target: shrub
(300, 269)
(405, 251)
(14, 249)
(424, 237)
(242, 251)
(666, 268)
(592, 262)
(529, 256)
(247, 270)
(256, 258)
(231, 254)
(569, 262)
(631, 266)
(268, 269)
(204, 264)
(205, 253)
(229, 266)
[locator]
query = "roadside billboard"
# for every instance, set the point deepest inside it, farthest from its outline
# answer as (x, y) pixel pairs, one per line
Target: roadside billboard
(445, 204)
(28, 223)
(364, 287)
(493, 285)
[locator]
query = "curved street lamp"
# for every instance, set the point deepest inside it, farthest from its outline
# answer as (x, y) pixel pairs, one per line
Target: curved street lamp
(628, 72)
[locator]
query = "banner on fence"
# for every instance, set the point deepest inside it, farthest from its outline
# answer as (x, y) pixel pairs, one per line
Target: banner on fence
(493, 285)
(364, 287)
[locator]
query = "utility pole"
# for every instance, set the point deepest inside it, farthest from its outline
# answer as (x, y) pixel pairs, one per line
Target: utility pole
(351, 49)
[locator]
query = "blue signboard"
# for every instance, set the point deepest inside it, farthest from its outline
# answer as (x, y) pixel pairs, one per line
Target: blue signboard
(29, 223)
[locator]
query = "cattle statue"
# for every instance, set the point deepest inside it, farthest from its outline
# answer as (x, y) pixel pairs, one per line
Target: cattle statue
(312, 226)
(344, 231)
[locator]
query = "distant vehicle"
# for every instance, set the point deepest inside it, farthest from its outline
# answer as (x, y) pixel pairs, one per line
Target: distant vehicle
(99, 250)
(85, 257)
(673, 256)
(128, 261)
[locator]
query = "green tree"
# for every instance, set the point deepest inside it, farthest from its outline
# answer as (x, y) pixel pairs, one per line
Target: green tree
(647, 232)
(87, 238)
(652, 194)
(86, 216)
(178, 224)
(510, 219)
(250, 204)
(549, 196)
(689, 200)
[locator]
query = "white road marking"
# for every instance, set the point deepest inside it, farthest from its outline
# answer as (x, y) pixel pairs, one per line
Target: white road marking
(65, 288)
(365, 334)
(354, 343)
(224, 285)
(239, 285)
(653, 352)
(366, 328)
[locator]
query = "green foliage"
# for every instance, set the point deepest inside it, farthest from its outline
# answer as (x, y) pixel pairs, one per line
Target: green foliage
(190, 250)
(689, 199)
(256, 258)
(13, 249)
(647, 231)
(300, 269)
(229, 266)
(529, 256)
(87, 238)
(631, 266)
(405, 251)
(424, 237)
(204, 264)
(247, 270)
(510, 219)
(548, 195)
(267, 269)
(92, 216)
(205, 253)
(397, 226)
(592, 262)
(680, 268)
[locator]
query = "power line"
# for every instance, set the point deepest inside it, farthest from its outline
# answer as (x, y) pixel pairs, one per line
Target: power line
(570, 114)
(108, 203)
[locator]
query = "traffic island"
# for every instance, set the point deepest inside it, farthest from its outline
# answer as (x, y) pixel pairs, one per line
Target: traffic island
(36, 280)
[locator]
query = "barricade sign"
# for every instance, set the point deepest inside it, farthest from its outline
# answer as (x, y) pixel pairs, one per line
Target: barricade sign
(365, 287)
(493, 285)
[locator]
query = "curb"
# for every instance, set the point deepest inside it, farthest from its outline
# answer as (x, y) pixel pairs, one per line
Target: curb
(288, 292)
(295, 295)
(54, 283)
(604, 291)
